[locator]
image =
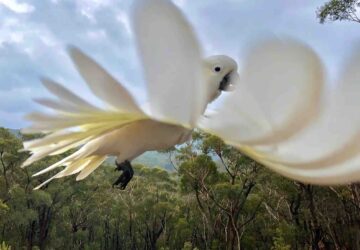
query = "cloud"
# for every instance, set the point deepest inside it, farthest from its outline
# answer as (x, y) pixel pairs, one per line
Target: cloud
(21, 8)
(88, 8)
(123, 18)
(12, 120)
(34, 44)
(181, 3)
(16, 99)
(97, 35)
(13, 102)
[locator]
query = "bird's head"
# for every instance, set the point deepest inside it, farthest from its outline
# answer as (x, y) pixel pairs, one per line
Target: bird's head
(221, 74)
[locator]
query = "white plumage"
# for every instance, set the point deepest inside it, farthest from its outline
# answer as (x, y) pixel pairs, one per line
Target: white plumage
(278, 113)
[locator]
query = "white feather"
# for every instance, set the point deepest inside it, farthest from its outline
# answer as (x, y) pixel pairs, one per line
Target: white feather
(74, 167)
(95, 162)
(335, 137)
(58, 106)
(171, 60)
(274, 114)
(278, 96)
(66, 95)
(102, 84)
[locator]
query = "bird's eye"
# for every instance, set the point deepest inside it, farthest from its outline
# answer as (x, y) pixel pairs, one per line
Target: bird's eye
(217, 69)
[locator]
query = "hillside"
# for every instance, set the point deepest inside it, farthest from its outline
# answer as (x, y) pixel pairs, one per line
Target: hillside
(155, 159)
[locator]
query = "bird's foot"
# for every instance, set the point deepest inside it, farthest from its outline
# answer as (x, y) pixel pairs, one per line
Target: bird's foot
(126, 175)
(121, 166)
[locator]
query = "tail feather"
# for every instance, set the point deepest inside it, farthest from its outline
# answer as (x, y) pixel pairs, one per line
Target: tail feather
(74, 167)
(66, 161)
(38, 154)
(57, 142)
(45, 122)
(84, 166)
(63, 140)
(44, 183)
(95, 162)
(86, 129)
(52, 138)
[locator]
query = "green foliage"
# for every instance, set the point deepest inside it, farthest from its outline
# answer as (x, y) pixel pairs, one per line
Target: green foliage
(335, 10)
(279, 244)
(285, 234)
(3, 246)
(188, 246)
(3, 206)
(217, 199)
(198, 169)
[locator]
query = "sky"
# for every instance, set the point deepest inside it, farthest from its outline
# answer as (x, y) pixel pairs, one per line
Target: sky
(34, 35)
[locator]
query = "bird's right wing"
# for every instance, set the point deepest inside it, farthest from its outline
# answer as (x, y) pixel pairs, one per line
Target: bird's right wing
(171, 59)
(102, 84)
(75, 122)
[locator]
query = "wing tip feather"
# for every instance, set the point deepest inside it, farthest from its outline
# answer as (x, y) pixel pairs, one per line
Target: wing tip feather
(75, 53)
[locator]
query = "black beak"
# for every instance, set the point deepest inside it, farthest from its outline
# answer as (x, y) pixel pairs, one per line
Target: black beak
(225, 82)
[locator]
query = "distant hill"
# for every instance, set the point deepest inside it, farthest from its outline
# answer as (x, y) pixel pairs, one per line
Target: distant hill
(151, 159)
(15, 132)
(155, 159)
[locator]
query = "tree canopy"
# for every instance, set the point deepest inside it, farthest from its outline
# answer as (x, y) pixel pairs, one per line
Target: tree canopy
(216, 198)
(335, 10)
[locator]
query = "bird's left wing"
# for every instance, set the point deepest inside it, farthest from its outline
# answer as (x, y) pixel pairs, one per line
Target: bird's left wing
(279, 100)
(171, 60)
(328, 151)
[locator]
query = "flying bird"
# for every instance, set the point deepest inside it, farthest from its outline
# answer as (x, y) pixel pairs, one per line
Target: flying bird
(180, 85)
(277, 112)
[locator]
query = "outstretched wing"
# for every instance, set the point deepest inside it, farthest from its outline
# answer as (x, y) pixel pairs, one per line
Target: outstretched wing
(327, 152)
(171, 60)
(278, 95)
(335, 136)
(275, 116)
(75, 122)
(102, 84)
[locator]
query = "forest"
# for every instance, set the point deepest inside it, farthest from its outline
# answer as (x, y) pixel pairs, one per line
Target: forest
(215, 198)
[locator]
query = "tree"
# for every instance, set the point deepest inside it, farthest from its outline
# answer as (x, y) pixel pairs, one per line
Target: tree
(223, 191)
(217, 199)
(335, 10)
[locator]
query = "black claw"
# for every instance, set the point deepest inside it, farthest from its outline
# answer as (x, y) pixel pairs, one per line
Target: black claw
(126, 175)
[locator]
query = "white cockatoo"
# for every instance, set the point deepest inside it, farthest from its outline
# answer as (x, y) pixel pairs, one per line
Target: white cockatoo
(279, 112)
(180, 85)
